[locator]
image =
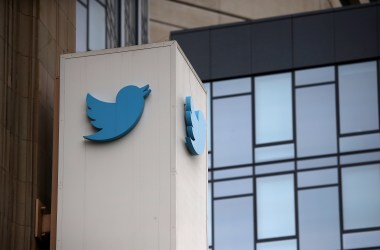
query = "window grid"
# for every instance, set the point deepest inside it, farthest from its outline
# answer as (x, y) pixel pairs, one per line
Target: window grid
(295, 159)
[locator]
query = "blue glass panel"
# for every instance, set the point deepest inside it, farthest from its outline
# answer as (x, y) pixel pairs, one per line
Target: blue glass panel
(231, 87)
(316, 75)
(317, 177)
(319, 219)
(209, 215)
(233, 187)
(273, 103)
(316, 120)
(275, 206)
(207, 86)
(235, 172)
(359, 142)
(361, 240)
(276, 245)
(234, 224)
(232, 131)
(357, 158)
(273, 168)
(274, 153)
(318, 163)
(358, 97)
(361, 196)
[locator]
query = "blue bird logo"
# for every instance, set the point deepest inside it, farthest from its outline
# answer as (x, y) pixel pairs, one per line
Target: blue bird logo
(195, 128)
(115, 120)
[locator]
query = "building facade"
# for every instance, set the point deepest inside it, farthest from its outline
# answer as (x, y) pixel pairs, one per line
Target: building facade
(294, 147)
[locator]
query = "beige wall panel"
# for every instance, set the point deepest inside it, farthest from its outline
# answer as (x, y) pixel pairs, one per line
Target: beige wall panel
(119, 195)
(160, 32)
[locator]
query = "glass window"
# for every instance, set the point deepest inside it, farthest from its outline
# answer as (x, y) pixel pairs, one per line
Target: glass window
(361, 196)
(316, 75)
(207, 87)
(318, 163)
(81, 28)
(275, 206)
(234, 172)
(276, 245)
(359, 142)
(233, 187)
(273, 108)
(358, 97)
(234, 224)
(316, 120)
(232, 131)
(361, 240)
(274, 153)
(97, 32)
(319, 224)
(317, 177)
(356, 158)
(273, 168)
(209, 214)
(231, 87)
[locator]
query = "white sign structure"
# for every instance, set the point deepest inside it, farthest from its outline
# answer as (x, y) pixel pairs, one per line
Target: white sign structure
(143, 191)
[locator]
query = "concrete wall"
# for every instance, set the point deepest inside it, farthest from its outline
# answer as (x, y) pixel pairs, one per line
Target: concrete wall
(33, 34)
(166, 16)
(144, 190)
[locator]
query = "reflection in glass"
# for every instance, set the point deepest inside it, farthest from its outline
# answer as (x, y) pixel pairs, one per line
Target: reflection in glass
(273, 102)
(97, 25)
(275, 206)
(358, 97)
(361, 196)
(319, 219)
(276, 245)
(81, 28)
(274, 153)
(316, 75)
(234, 224)
(233, 187)
(231, 87)
(359, 142)
(209, 215)
(361, 240)
(316, 120)
(232, 131)
(317, 177)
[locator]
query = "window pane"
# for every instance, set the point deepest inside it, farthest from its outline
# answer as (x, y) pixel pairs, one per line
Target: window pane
(274, 153)
(273, 102)
(358, 97)
(275, 206)
(317, 178)
(319, 224)
(318, 163)
(234, 187)
(359, 142)
(276, 245)
(209, 214)
(356, 158)
(232, 131)
(318, 75)
(361, 240)
(361, 196)
(231, 87)
(316, 120)
(81, 28)
(207, 87)
(273, 168)
(234, 224)
(235, 172)
(97, 26)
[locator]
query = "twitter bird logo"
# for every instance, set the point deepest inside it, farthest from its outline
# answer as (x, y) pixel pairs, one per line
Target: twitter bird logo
(195, 128)
(115, 120)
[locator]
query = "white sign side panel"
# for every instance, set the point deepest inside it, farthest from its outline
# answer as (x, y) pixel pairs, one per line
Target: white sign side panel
(115, 195)
(191, 181)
